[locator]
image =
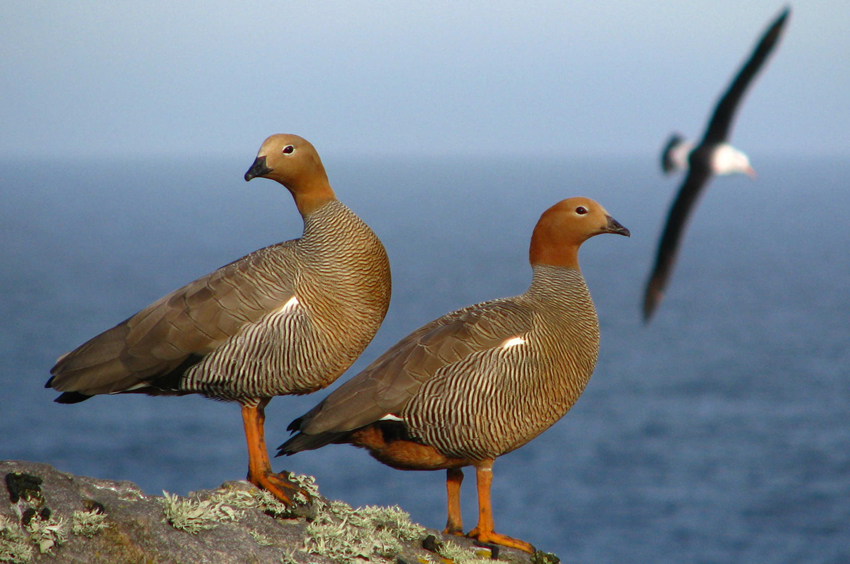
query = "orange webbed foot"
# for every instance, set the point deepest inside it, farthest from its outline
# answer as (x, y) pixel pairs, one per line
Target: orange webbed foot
(279, 485)
(503, 540)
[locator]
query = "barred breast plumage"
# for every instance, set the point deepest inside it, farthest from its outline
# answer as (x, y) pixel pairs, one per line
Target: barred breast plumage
(481, 381)
(337, 277)
(497, 399)
(287, 319)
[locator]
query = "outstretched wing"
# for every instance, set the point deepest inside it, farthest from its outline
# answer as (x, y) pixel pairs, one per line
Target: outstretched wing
(698, 176)
(724, 113)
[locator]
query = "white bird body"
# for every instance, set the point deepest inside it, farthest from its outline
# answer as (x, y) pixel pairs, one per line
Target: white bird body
(725, 159)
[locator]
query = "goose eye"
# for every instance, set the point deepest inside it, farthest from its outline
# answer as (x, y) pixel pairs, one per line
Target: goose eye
(288, 149)
(581, 210)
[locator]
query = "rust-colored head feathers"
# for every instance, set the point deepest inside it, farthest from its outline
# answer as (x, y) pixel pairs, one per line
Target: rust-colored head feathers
(295, 163)
(565, 226)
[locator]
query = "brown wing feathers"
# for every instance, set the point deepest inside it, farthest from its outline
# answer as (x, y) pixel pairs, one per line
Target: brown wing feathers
(176, 331)
(388, 384)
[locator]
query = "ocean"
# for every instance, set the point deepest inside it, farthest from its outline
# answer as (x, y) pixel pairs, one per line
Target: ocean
(717, 433)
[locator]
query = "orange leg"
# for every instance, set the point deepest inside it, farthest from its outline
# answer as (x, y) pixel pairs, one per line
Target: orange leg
(454, 477)
(484, 531)
(259, 467)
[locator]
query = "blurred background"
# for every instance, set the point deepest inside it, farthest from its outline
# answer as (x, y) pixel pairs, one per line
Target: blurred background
(436, 78)
(717, 433)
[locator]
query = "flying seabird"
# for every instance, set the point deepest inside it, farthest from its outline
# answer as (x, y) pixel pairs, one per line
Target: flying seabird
(713, 155)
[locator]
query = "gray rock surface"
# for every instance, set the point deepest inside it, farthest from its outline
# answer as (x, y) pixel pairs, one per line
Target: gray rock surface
(51, 516)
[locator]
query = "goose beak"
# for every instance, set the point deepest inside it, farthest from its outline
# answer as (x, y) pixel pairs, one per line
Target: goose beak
(750, 171)
(615, 227)
(259, 168)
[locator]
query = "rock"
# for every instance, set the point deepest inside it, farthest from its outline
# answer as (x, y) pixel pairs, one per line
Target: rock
(51, 516)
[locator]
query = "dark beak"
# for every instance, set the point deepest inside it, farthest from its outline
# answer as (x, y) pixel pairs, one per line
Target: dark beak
(259, 168)
(615, 227)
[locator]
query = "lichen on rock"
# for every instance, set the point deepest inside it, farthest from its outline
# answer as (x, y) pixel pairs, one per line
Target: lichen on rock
(87, 523)
(58, 517)
(194, 515)
(369, 533)
(15, 547)
(47, 533)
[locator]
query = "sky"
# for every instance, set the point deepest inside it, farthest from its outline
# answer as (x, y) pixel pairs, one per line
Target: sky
(120, 79)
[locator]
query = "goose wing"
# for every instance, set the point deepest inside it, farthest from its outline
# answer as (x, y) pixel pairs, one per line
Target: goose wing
(388, 384)
(179, 329)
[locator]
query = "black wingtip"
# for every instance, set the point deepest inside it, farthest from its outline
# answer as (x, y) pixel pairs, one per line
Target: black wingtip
(779, 23)
(302, 441)
(71, 397)
(652, 297)
(295, 444)
(295, 426)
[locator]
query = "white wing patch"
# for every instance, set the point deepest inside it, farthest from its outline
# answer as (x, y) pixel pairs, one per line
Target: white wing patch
(513, 342)
(289, 305)
(131, 388)
(391, 417)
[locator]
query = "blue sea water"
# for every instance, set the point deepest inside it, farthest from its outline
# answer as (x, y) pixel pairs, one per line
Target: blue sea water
(718, 433)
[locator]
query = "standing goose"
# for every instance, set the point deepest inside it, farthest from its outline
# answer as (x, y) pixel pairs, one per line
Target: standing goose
(481, 381)
(712, 156)
(286, 319)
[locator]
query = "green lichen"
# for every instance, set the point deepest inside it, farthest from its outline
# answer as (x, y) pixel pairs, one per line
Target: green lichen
(193, 516)
(15, 547)
(47, 533)
(87, 523)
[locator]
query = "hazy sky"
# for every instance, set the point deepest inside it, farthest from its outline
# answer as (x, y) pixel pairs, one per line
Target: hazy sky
(485, 77)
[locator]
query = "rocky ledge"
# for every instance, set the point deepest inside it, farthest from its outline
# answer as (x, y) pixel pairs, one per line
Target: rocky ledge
(51, 516)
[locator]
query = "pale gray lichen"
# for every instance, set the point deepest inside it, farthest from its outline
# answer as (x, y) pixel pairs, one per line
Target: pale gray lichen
(369, 533)
(251, 499)
(15, 547)
(460, 555)
(307, 485)
(338, 532)
(289, 558)
(87, 523)
(236, 498)
(196, 515)
(47, 533)
(261, 539)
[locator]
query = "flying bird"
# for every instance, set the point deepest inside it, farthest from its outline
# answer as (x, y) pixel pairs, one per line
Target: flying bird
(479, 382)
(286, 319)
(713, 155)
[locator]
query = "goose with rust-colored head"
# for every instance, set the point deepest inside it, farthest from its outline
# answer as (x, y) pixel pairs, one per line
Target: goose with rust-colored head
(481, 381)
(287, 319)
